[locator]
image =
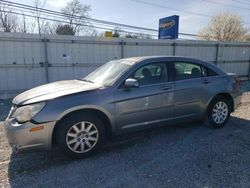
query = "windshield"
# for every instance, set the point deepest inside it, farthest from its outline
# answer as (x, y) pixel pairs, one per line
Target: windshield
(109, 72)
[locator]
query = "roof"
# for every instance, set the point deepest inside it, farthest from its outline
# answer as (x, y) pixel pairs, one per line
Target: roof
(135, 60)
(142, 58)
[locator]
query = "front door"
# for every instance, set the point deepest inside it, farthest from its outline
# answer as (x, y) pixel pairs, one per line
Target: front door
(151, 102)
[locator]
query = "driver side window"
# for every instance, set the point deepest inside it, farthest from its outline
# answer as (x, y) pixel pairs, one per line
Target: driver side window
(151, 74)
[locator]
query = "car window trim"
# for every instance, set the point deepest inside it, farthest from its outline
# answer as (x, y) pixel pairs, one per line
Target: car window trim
(188, 62)
(163, 62)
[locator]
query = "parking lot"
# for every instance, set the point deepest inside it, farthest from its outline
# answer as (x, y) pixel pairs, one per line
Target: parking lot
(186, 155)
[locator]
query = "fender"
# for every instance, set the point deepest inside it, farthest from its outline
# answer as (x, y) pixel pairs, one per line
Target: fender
(92, 107)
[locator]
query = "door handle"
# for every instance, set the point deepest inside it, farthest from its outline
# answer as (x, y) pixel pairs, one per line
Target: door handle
(206, 81)
(166, 88)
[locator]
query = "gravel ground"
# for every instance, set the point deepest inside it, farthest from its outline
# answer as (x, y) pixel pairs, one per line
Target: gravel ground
(4, 108)
(187, 155)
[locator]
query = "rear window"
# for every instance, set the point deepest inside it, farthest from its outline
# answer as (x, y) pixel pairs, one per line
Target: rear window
(184, 71)
(211, 72)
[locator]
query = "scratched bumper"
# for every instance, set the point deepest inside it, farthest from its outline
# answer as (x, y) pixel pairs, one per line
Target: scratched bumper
(22, 139)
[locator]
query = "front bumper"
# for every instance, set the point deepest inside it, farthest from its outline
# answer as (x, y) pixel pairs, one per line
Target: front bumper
(21, 138)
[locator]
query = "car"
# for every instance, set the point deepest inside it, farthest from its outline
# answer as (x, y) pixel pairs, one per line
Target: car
(122, 96)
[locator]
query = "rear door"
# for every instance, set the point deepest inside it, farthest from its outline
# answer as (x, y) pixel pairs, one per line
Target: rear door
(149, 103)
(191, 91)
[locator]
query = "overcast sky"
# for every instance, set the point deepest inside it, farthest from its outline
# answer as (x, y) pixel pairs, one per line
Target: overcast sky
(134, 13)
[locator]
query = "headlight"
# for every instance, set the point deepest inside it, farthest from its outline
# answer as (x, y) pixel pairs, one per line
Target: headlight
(25, 113)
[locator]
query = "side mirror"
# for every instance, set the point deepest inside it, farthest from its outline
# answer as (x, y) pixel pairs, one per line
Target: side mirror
(131, 82)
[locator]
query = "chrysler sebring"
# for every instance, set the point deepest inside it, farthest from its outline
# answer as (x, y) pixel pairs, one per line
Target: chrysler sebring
(123, 95)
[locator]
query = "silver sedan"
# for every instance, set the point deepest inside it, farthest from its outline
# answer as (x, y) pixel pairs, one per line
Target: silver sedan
(123, 95)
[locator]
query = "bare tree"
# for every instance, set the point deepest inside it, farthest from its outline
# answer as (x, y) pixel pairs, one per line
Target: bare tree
(47, 27)
(224, 27)
(248, 37)
(116, 32)
(8, 21)
(39, 4)
(132, 36)
(90, 31)
(22, 27)
(65, 30)
(75, 13)
(143, 36)
(23, 24)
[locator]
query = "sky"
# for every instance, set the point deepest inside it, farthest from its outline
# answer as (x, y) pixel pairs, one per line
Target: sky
(136, 13)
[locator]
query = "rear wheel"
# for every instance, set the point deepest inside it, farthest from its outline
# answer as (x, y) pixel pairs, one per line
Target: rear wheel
(219, 112)
(79, 136)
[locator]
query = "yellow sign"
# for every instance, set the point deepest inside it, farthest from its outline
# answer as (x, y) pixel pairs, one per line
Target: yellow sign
(108, 34)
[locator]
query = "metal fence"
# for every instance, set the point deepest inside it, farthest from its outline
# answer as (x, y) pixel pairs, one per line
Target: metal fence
(28, 60)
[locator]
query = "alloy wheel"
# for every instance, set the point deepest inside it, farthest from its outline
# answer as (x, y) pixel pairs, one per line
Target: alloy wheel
(220, 112)
(82, 137)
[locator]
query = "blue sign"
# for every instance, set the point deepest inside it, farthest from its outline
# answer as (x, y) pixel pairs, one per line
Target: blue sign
(169, 27)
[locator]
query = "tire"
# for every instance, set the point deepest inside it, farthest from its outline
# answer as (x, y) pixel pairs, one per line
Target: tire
(219, 112)
(79, 135)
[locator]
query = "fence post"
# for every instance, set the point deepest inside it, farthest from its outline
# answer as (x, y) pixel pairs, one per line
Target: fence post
(217, 54)
(174, 44)
(46, 62)
(122, 43)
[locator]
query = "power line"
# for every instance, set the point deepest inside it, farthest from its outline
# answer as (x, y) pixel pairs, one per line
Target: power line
(60, 21)
(242, 2)
(54, 13)
(32, 8)
(223, 4)
(97, 21)
(175, 9)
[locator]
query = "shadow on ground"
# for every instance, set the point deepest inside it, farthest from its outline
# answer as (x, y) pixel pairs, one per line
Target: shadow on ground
(174, 156)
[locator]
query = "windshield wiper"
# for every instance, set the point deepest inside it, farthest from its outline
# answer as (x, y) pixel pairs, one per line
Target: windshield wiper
(85, 80)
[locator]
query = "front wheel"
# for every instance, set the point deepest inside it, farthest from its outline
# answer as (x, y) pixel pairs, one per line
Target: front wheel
(80, 136)
(219, 112)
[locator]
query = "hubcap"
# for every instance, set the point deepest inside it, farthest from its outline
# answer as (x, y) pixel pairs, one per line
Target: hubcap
(220, 112)
(82, 137)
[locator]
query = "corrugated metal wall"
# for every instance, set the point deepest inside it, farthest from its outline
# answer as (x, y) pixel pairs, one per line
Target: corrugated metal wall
(29, 60)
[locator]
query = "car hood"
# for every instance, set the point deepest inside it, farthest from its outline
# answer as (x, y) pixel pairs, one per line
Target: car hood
(53, 90)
